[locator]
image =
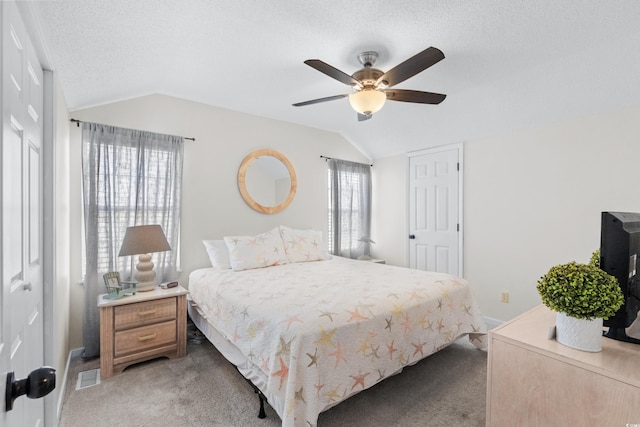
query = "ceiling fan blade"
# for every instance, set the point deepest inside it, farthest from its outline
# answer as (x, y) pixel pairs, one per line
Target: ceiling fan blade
(414, 96)
(332, 72)
(363, 117)
(317, 101)
(411, 67)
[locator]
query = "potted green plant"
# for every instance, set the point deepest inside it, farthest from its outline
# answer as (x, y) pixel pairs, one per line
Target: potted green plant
(582, 295)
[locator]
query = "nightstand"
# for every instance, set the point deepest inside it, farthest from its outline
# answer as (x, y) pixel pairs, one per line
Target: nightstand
(141, 327)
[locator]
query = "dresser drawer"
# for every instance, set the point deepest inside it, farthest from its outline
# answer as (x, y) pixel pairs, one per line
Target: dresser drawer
(144, 338)
(144, 313)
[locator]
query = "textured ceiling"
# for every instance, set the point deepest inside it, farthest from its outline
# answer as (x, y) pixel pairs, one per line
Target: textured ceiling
(509, 64)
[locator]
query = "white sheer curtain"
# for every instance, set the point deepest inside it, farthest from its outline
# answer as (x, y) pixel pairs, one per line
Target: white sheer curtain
(349, 207)
(130, 177)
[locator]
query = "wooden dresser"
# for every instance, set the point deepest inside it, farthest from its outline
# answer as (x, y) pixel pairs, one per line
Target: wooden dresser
(141, 327)
(535, 381)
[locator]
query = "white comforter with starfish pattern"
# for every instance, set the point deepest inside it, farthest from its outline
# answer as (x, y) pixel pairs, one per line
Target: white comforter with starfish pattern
(322, 331)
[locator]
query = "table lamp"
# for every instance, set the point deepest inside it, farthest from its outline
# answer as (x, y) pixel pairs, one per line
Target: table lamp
(367, 248)
(142, 240)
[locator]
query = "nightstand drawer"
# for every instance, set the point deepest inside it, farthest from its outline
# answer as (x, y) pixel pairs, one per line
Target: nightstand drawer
(146, 337)
(144, 313)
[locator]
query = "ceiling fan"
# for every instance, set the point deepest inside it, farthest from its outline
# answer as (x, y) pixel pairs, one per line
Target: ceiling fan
(371, 86)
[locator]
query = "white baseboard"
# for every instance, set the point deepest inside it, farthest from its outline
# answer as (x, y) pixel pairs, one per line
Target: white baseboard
(63, 384)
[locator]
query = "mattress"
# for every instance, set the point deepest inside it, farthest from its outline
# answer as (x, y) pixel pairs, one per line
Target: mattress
(311, 334)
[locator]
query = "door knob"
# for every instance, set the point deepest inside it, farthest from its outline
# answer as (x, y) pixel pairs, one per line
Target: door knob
(38, 384)
(27, 286)
(412, 236)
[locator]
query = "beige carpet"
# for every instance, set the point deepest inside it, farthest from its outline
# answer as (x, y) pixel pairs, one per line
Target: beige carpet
(203, 389)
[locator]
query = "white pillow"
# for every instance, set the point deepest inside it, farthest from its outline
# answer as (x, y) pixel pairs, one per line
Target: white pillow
(261, 250)
(303, 245)
(218, 253)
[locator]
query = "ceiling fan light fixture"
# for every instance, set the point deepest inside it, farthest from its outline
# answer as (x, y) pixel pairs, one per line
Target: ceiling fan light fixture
(371, 86)
(367, 101)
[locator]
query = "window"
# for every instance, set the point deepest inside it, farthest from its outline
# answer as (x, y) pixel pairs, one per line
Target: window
(139, 189)
(349, 207)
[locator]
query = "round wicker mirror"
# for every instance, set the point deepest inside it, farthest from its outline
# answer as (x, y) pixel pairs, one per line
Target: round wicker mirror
(267, 181)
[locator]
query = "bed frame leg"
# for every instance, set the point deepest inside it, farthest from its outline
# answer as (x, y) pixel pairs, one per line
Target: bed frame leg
(262, 397)
(261, 413)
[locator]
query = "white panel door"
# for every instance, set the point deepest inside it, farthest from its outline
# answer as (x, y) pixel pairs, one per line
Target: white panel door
(21, 296)
(434, 211)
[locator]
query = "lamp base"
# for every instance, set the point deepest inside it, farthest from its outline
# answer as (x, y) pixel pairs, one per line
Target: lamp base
(145, 286)
(145, 274)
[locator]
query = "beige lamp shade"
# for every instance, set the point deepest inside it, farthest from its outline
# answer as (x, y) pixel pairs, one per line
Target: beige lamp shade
(143, 240)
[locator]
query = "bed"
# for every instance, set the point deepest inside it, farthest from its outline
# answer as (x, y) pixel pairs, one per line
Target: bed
(311, 333)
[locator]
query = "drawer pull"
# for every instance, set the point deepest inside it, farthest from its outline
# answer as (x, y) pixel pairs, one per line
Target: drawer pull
(147, 337)
(146, 313)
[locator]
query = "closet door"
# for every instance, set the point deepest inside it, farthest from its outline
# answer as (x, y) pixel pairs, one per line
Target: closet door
(21, 296)
(435, 210)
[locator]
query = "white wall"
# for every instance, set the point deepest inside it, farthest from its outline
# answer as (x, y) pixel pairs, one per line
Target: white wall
(389, 223)
(212, 206)
(532, 200)
(62, 208)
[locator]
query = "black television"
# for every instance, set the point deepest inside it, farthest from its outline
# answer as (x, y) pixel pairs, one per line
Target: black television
(619, 256)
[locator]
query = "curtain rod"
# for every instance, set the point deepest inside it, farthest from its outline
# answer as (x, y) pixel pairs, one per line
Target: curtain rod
(329, 158)
(77, 122)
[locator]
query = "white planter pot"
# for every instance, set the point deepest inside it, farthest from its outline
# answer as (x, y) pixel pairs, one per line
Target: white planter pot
(581, 334)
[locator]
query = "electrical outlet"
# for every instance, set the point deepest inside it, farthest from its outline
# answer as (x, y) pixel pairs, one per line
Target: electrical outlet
(504, 296)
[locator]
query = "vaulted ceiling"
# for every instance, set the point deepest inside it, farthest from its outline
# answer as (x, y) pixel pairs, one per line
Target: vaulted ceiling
(509, 65)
